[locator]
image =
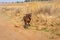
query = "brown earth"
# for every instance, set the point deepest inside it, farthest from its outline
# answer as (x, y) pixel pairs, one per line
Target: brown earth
(45, 23)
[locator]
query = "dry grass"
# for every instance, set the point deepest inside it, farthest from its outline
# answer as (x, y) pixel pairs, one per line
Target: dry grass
(45, 16)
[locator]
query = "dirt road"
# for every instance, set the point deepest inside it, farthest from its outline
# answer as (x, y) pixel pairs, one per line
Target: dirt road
(9, 32)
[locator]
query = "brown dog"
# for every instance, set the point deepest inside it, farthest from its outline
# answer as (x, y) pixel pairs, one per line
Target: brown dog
(27, 19)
